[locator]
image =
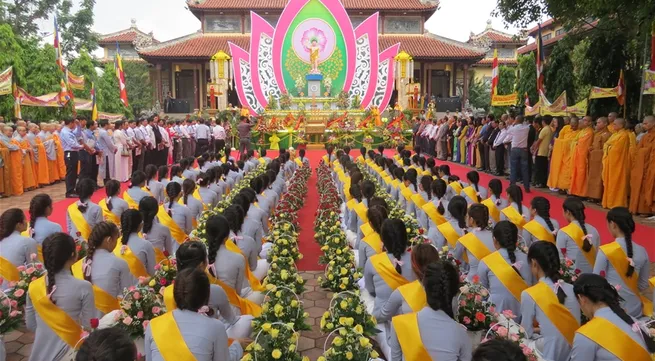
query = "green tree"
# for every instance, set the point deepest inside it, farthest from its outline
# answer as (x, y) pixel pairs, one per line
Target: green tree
(83, 65)
(527, 78)
(139, 88)
(76, 28)
(42, 76)
(24, 16)
(479, 93)
(558, 75)
(11, 54)
(580, 62)
(507, 80)
(107, 92)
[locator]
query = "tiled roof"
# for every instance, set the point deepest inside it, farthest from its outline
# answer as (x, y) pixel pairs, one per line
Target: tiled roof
(203, 46)
(533, 46)
(498, 37)
(501, 61)
(411, 5)
(124, 36)
(544, 25)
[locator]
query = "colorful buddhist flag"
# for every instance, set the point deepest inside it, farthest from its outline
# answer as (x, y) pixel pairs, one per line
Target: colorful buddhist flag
(6, 81)
(120, 74)
(494, 74)
(64, 95)
(94, 105)
(18, 114)
(540, 62)
(526, 102)
(58, 58)
(620, 89)
(74, 81)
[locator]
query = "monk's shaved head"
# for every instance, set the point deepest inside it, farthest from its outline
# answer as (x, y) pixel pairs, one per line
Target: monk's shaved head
(587, 121)
(612, 116)
(619, 123)
(574, 123)
(649, 123)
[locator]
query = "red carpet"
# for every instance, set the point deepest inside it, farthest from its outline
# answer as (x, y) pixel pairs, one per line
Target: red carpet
(308, 247)
(595, 217)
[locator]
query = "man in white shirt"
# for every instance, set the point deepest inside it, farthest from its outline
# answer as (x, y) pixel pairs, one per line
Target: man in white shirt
(202, 138)
(432, 141)
(219, 138)
(520, 154)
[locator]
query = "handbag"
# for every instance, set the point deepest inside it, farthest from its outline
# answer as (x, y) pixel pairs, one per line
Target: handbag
(125, 152)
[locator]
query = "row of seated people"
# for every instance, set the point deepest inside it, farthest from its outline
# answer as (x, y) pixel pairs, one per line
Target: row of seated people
(121, 253)
(488, 239)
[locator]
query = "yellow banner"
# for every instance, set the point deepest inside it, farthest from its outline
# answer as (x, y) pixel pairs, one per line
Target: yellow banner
(75, 82)
(579, 109)
(504, 100)
(597, 93)
(533, 110)
(557, 108)
(6, 81)
(649, 82)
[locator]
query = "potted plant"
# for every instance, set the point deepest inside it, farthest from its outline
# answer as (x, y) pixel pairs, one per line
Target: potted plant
(300, 85)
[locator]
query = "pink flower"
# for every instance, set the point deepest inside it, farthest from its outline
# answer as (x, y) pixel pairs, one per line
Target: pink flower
(19, 292)
(478, 298)
(21, 268)
(145, 324)
(526, 350)
(163, 282)
(33, 257)
(143, 280)
(157, 267)
(139, 315)
(156, 310)
(480, 316)
(131, 288)
(136, 295)
(502, 331)
(476, 279)
(466, 320)
(39, 266)
(30, 270)
(14, 313)
(514, 337)
(492, 309)
(462, 303)
(127, 320)
(508, 314)
(577, 271)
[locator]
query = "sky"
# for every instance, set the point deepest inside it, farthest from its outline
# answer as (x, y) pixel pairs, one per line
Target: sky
(170, 19)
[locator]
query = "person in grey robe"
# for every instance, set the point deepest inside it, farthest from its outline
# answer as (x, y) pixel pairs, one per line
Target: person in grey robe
(16, 249)
(106, 163)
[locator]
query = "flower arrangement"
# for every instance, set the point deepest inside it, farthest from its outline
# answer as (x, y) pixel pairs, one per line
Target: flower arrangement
(346, 310)
(300, 82)
(474, 310)
(343, 100)
(274, 341)
(17, 291)
(285, 101)
(10, 315)
(282, 305)
(284, 246)
(567, 270)
(505, 327)
(81, 247)
(446, 255)
(349, 345)
(283, 271)
(341, 274)
(165, 273)
(139, 305)
(327, 83)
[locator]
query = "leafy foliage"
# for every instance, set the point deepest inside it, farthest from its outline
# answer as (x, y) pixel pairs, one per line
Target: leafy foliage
(479, 93)
(11, 53)
(580, 62)
(527, 81)
(76, 28)
(139, 88)
(507, 80)
(558, 74)
(107, 91)
(84, 66)
(24, 16)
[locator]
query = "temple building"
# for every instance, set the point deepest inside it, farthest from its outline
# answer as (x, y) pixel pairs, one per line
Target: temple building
(126, 41)
(492, 39)
(182, 66)
(552, 31)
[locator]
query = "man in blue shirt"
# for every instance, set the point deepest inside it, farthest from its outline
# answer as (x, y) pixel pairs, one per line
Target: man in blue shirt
(485, 132)
(88, 155)
(72, 149)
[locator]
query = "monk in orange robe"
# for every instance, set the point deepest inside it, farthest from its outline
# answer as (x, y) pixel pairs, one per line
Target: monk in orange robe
(15, 162)
(61, 162)
(617, 162)
(580, 158)
(29, 171)
(642, 178)
(51, 152)
(40, 158)
(611, 118)
(560, 161)
(595, 174)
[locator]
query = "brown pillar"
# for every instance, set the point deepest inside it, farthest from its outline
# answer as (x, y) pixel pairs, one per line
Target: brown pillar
(453, 90)
(465, 94)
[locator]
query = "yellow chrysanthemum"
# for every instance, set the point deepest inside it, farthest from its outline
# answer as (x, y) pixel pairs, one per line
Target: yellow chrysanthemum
(343, 305)
(276, 354)
(364, 341)
(266, 327)
(246, 357)
(338, 341)
(294, 303)
(275, 332)
(349, 355)
(152, 283)
(359, 329)
(374, 354)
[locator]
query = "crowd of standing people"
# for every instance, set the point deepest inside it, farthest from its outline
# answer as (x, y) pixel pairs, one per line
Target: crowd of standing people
(604, 160)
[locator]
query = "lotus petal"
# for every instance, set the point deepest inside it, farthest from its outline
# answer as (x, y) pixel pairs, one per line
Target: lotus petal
(385, 81)
(243, 78)
(365, 79)
(261, 65)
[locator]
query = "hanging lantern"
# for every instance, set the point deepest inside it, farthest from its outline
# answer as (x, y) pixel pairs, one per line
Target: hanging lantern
(219, 66)
(405, 66)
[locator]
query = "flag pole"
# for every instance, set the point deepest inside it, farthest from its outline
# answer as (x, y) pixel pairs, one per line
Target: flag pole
(643, 74)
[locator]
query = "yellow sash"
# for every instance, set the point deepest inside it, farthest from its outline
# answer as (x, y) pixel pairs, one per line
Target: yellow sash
(539, 232)
(107, 214)
(299, 162)
(261, 160)
(456, 186)
(558, 314)
(78, 220)
(366, 229)
(103, 300)
(512, 281)
(247, 307)
(474, 245)
(169, 298)
(39, 251)
(575, 233)
(494, 212)
(8, 270)
(351, 203)
(168, 222)
(610, 337)
(361, 210)
(427, 173)
(414, 295)
(169, 340)
(449, 233)
(374, 241)
(196, 195)
(147, 190)
(471, 193)
(387, 271)
(137, 268)
(395, 183)
(619, 260)
(419, 200)
(514, 216)
(57, 319)
(159, 254)
(130, 201)
(360, 159)
(409, 337)
(406, 192)
(255, 285)
(387, 179)
(431, 210)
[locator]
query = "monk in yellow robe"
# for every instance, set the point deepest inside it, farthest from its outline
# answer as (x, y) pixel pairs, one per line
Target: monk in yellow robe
(40, 158)
(611, 118)
(595, 174)
(560, 161)
(617, 155)
(580, 158)
(642, 178)
(29, 171)
(15, 162)
(61, 162)
(51, 152)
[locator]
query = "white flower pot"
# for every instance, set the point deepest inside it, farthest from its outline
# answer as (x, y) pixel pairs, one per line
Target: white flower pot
(476, 337)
